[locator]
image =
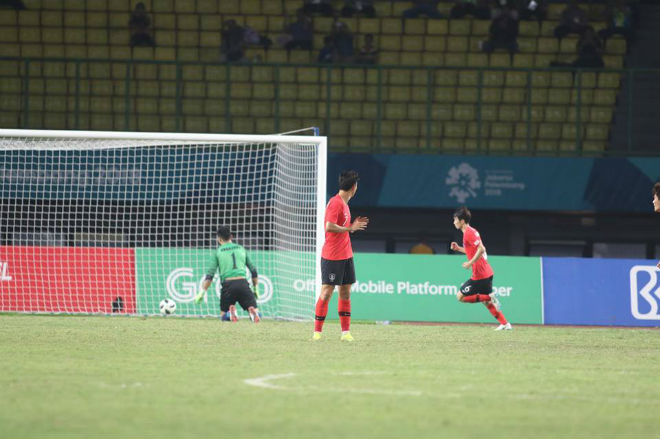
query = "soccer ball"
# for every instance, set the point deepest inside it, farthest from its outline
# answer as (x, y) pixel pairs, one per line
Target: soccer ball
(167, 306)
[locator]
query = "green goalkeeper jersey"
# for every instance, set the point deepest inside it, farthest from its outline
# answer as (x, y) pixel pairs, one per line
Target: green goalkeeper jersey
(230, 260)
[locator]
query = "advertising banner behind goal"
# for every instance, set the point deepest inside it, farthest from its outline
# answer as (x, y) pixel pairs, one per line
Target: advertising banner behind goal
(67, 280)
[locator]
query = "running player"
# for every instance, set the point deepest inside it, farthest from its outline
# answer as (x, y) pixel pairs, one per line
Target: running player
(230, 260)
(337, 267)
(480, 286)
(656, 203)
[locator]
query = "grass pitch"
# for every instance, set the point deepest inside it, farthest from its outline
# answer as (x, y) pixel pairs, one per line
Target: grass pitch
(96, 376)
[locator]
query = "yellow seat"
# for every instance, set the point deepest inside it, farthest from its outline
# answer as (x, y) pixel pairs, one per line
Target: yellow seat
(459, 27)
(455, 129)
(276, 56)
(208, 22)
(395, 111)
(361, 128)
(415, 26)
(559, 96)
(389, 58)
(350, 110)
(550, 131)
(398, 94)
(466, 95)
(523, 60)
(434, 43)
(527, 45)
(339, 127)
(616, 45)
(488, 112)
(491, 95)
(399, 77)
(493, 78)
(600, 114)
(368, 25)
(247, 7)
(445, 77)
(417, 111)
(502, 130)
(539, 96)
(569, 131)
(478, 130)
(437, 27)
(509, 113)
(561, 79)
(480, 28)
(455, 59)
(555, 113)
(305, 109)
(354, 76)
(609, 80)
(477, 60)
(389, 42)
(308, 92)
(537, 113)
(444, 94)
(568, 45)
(407, 128)
(271, 8)
(543, 60)
(442, 112)
(500, 60)
(355, 93)
(605, 97)
(411, 58)
(458, 44)
(528, 28)
(548, 45)
(586, 96)
(391, 26)
(516, 79)
(412, 43)
(597, 131)
(242, 125)
(464, 112)
(262, 74)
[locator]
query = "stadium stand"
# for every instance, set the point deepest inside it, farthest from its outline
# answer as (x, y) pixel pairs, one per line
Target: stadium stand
(433, 88)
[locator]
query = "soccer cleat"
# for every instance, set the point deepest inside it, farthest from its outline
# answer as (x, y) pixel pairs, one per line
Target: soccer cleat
(505, 327)
(496, 302)
(232, 313)
(254, 316)
(346, 337)
(316, 336)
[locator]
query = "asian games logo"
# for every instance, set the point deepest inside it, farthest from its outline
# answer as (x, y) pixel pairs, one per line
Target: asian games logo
(464, 180)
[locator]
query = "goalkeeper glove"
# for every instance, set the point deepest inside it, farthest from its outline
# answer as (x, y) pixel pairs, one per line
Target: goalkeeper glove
(256, 291)
(200, 296)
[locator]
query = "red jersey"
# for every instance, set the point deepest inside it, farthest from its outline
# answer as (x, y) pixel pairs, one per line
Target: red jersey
(481, 268)
(337, 245)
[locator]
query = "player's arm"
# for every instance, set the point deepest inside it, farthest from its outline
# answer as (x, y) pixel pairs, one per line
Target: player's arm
(480, 251)
(360, 223)
(254, 274)
(457, 248)
(210, 272)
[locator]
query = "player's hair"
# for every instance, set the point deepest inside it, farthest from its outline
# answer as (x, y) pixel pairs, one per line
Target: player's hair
(224, 233)
(656, 190)
(347, 179)
(463, 213)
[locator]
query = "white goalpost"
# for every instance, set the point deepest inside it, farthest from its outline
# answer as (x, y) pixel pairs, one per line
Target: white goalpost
(115, 222)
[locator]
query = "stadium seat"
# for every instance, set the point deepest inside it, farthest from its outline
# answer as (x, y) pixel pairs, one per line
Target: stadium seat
(539, 96)
(523, 60)
(555, 113)
(509, 113)
(434, 43)
(514, 95)
(408, 128)
(463, 112)
(458, 44)
(446, 77)
(466, 95)
(411, 58)
(477, 60)
(488, 112)
(527, 45)
(393, 111)
(597, 131)
(455, 129)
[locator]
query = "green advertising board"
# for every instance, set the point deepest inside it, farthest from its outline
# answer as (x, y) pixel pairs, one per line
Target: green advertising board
(423, 288)
(178, 274)
(389, 286)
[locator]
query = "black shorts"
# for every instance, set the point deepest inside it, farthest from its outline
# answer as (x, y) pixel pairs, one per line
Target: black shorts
(481, 286)
(237, 290)
(341, 272)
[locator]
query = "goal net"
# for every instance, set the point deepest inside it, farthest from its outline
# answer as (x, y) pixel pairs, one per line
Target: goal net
(113, 223)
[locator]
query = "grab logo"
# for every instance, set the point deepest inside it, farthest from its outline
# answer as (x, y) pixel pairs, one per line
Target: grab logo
(182, 287)
(4, 272)
(644, 292)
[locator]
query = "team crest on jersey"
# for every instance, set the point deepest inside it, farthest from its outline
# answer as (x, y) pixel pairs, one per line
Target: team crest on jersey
(331, 277)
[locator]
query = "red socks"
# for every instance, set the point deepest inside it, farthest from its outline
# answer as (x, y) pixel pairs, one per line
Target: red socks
(321, 312)
(344, 309)
(476, 298)
(497, 314)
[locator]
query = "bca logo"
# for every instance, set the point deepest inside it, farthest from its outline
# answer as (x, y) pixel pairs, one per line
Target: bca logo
(644, 292)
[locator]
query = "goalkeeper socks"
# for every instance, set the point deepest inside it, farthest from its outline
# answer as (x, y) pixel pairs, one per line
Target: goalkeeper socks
(476, 298)
(497, 314)
(344, 309)
(321, 312)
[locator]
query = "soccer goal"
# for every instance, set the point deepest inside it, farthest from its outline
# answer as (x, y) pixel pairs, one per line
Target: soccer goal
(115, 222)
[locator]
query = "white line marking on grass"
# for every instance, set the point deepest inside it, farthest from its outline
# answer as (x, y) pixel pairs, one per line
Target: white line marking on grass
(265, 383)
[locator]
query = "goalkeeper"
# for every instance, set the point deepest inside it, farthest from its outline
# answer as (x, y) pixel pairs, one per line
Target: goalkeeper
(231, 259)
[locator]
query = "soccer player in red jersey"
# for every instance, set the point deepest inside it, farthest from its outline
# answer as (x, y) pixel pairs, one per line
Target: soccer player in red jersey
(337, 267)
(480, 286)
(656, 203)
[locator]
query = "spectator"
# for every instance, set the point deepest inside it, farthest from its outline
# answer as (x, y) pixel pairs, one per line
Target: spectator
(353, 7)
(328, 53)
(299, 34)
(322, 7)
(477, 8)
(573, 20)
(232, 45)
(619, 21)
(533, 9)
(503, 32)
(140, 25)
(252, 38)
(589, 49)
(342, 39)
(368, 53)
(423, 7)
(13, 4)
